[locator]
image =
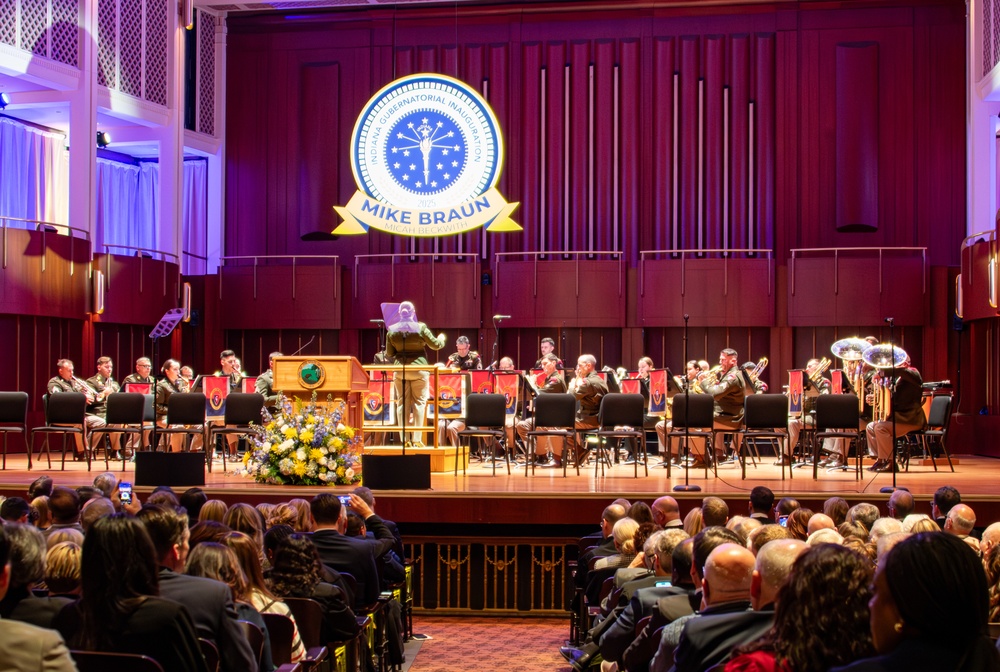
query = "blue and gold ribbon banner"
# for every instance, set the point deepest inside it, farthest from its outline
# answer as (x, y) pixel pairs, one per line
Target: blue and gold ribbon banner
(795, 393)
(658, 392)
(489, 209)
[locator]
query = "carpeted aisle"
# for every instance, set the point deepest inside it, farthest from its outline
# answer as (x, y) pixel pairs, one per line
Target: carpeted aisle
(464, 643)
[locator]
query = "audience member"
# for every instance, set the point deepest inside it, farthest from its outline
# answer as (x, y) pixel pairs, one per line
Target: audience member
(827, 580)
(900, 504)
(15, 510)
(163, 495)
(836, 508)
(303, 523)
(106, 483)
(119, 609)
(258, 592)
(213, 509)
(945, 497)
(863, 513)
(820, 521)
(192, 500)
(929, 609)
(760, 505)
(24, 646)
(886, 542)
(853, 529)
(64, 505)
(59, 536)
(666, 512)
(797, 523)
(27, 570)
(40, 487)
(43, 519)
(694, 522)
(273, 538)
(624, 535)
(784, 507)
(283, 514)
(960, 521)
(244, 518)
(989, 539)
(87, 493)
(207, 530)
(743, 526)
(297, 573)
(641, 513)
(714, 511)
(62, 570)
(826, 535)
(762, 535)
(882, 527)
(209, 602)
(95, 509)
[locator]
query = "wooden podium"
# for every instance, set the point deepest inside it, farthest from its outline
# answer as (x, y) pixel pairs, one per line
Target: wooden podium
(341, 377)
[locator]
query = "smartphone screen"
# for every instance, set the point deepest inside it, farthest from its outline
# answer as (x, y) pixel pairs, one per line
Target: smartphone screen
(783, 521)
(345, 500)
(125, 492)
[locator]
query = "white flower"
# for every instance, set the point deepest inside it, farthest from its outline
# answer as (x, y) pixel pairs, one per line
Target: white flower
(349, 474)
(300, 455)
(286, 445)
(322, 461)
(323, 476)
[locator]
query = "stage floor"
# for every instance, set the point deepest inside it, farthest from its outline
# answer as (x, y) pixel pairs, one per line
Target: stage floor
(546, 497)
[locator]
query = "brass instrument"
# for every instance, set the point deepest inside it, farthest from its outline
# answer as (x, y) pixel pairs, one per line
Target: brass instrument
(83, 388)
(817, 374)
(758, 369)
(851, 351)
(883, 356)
(712, 376)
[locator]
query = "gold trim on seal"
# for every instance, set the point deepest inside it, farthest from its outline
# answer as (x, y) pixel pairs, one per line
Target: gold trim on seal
(310, 380)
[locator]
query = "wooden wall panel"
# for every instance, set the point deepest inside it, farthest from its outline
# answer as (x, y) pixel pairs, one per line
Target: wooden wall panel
(303, 297)
(137, 290)
(856, 150)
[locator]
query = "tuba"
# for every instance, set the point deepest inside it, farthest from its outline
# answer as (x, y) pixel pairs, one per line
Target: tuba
(883, 356)
(851, 351)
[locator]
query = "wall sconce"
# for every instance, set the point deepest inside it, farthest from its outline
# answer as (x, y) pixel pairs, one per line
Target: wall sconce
(103, 139)
(187, 13)
(98, 292)
(186, 301)
(4, 100)
(992, 275)
(959, 301)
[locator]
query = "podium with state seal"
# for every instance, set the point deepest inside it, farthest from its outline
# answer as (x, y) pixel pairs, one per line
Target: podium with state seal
(340, 377)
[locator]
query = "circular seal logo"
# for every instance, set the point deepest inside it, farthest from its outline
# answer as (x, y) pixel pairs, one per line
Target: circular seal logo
(311, 374)
(426, 141)
(374, 403)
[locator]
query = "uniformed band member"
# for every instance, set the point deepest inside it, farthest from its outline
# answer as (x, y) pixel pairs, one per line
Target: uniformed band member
(814, 384)
(230, 366)
(548, 347)
(168, 384)
(143, 367)
(589, 389)
(553, 384)
(265, 382)
(104, 386)
(465, 359)
(65, 381)
(405, 347)
(907, 394)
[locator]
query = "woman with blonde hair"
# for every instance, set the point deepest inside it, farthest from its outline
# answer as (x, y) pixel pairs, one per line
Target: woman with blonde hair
(304, 522)
(41, 506)
(623, 534)
(62, 569)
(213, 509)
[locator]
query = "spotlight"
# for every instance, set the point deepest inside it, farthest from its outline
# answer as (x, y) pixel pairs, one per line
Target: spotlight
(4, 100)
(103, 139)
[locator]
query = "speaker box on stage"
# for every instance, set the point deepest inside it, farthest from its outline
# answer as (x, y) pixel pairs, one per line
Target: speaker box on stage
(397, 472)
(187, 469)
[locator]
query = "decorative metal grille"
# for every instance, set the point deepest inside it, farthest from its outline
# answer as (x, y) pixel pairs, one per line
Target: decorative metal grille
(156, 51)
(513, 576)
(107, 38)
(8, 22)
(991, 35)
(130, 48)
(206, 73)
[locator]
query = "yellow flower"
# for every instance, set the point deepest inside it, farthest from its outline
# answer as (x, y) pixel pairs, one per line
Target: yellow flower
(306, 436)
(347, 432)
(340, 471)
(289, 432)
(275, 448)
(315, 454)
(246, 457)
(311, 419)
(270, 426)
(299, 468)
(337, 443)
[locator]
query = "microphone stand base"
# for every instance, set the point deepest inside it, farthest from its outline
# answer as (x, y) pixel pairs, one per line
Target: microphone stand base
(687, 487)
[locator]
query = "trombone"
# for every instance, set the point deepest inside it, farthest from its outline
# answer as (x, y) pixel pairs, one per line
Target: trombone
(758, 369)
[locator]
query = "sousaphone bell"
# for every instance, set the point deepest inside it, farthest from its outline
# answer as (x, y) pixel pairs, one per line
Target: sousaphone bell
(884, 356)
(850, 349)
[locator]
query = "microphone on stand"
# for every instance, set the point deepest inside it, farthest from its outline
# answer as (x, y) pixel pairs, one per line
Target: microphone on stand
(303, 347)
(501, 317)
(889, 320)
(377, 321)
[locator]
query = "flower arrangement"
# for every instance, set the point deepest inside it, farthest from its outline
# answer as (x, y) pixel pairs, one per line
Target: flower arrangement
(304, 444)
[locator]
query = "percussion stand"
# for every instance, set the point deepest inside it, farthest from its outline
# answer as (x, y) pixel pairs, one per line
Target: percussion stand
(687, 486)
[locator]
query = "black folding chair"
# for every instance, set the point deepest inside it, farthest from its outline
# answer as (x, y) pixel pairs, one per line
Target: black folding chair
(186, 416)
(694, 417)
(936, 430)
(13, 418)
(64, 414)
(620, 417)
(837, 417)
(241, 410)
(765, 417)
(485, 417)
(555, 416)
(125, 416)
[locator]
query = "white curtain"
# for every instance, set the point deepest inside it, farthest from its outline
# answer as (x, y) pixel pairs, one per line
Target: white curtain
(195, 217)
(34, 174)
(119, 199)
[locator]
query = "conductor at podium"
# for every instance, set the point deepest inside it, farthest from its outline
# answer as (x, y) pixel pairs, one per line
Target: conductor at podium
(406, 344)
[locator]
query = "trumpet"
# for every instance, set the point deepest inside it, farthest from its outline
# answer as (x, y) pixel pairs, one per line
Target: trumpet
(710, 377)
(82, 387)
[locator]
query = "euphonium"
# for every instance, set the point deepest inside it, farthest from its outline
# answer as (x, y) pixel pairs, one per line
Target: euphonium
(817, 373)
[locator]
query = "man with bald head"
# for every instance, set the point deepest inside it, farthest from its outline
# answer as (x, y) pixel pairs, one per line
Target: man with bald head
(959, 522)
(708, 639)
(900, 504)
(725, 591)
(666, 513)
(990, 538)
(820, 521)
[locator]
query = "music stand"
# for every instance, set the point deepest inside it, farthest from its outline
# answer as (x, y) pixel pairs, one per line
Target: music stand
(165, 327)
(687, 485)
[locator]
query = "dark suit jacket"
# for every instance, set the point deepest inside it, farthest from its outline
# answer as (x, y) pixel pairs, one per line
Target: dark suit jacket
(39, 611)
(708, 640)
(210, 604)
(354, 556)
(159, 628)
(604, 548)
(638, 654)
(617, 638)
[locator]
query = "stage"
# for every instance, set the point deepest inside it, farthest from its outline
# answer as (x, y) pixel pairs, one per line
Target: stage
(546, 498)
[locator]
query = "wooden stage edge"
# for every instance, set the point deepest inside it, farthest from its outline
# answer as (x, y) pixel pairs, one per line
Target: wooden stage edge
(478, 497)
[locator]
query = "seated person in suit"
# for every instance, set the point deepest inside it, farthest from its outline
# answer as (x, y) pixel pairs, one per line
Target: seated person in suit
(119, 609)
(27, 569)
(210, 603)
(24, 646)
